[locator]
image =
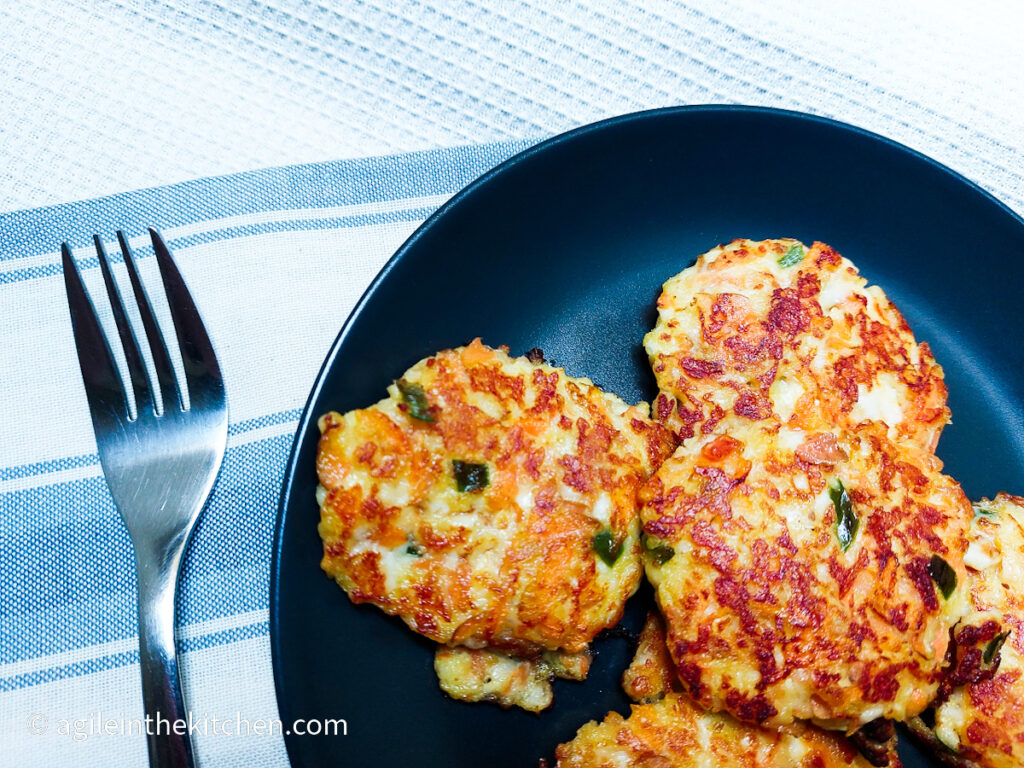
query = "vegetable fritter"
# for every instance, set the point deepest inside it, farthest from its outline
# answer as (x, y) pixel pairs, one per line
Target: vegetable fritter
(489, 501)
(651, 676)
(777, 329)
(676, 733)
(667, 730)
(807, 574)
(980, 721)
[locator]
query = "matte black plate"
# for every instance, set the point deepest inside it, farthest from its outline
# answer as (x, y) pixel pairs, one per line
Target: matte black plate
(565, 247)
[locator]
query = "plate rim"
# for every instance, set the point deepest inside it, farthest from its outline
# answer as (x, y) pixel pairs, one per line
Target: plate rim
(551, 143)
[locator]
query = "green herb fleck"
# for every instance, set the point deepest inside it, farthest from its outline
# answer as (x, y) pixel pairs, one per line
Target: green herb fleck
(470, 477)
(794, 255)
(416, 399)
(943, 575)
(983, 510)
(606, 547)
(411, 546)
(994, 646)
(659, 551)
(846, 519)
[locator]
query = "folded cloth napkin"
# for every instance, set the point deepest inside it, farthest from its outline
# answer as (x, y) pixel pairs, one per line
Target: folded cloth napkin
(277, 258)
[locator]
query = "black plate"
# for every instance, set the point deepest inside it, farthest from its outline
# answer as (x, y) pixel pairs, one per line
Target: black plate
(565, 247)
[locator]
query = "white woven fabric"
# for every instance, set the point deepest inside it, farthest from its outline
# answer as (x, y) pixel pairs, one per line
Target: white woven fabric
(106, 98)
(99, 97)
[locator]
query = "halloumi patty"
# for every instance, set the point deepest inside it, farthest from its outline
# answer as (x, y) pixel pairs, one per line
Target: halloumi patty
(676, 733)
(651, 676)
(807, 574)
(981, 721)
(777, 329)
(668, 730)
(489, 501)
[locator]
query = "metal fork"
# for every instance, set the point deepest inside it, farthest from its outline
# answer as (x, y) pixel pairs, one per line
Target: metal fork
(160, 464)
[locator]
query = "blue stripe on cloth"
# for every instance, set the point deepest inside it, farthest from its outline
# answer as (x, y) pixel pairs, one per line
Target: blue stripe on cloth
(45, 467)
(270, 420)
(316, 185)
(92, 459)
(227, 233)
(126, 658)
(69, 577)
(110, 661)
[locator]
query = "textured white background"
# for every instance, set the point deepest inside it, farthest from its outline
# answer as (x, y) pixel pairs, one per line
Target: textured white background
(98, 96)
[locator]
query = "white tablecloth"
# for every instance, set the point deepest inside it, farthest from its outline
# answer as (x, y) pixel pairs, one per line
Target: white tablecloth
(343, 125)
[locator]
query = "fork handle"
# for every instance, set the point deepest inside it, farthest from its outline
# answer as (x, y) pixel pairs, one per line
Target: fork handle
(169, 745)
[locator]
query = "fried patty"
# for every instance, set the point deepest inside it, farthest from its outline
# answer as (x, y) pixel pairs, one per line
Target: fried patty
(776, 329)
(668, 730)
(980, 722)
(807, 574)
(651, 676)
(676, 733)
(489, 501)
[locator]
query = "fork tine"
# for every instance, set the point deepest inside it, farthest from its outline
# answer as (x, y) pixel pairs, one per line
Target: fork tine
(202, 371)
(99, 372)
(157, 346)
(129, 342)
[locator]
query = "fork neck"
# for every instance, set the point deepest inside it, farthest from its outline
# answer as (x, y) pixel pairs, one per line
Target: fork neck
(157, 568)
(157, 565)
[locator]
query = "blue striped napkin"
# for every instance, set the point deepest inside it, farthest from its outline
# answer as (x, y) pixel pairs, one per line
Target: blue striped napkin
(275, 259)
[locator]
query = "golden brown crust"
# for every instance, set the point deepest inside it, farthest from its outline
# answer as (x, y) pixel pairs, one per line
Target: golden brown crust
(980, 721)
(481, 674)
(676, 733)
(651, 676)
(651, 673)
(512, 561)
(777, 329)
(797, 535)
(768, 617)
